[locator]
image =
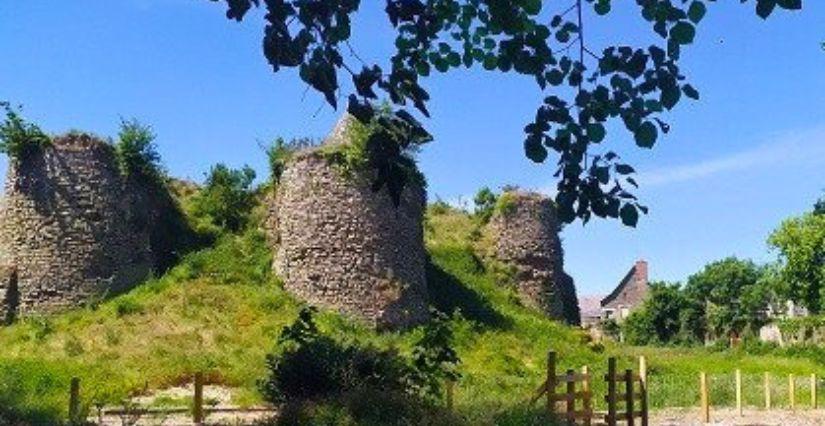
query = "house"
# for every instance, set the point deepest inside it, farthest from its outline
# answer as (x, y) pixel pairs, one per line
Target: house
(628, 295)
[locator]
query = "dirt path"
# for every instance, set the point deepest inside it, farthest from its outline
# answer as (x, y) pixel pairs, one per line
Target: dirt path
(751, 417)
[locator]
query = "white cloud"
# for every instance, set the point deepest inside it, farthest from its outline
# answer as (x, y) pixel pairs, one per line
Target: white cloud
(806, 146)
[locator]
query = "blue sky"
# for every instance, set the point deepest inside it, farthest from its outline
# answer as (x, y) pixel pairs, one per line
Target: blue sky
(748, 154)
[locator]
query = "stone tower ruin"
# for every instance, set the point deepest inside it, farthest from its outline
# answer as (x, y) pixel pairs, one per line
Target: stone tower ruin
(69, 232)
(525, 234)
(339, 244)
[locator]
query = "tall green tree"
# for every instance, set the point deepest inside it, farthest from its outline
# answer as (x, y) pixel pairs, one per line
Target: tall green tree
(584, 88)
(800, 242)
(226, 200)
(658, 321)
(726, 294)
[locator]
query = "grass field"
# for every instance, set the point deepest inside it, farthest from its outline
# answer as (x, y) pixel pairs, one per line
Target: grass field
(221, 310)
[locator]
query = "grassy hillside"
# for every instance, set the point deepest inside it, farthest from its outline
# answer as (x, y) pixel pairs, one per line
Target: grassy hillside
(221, 310)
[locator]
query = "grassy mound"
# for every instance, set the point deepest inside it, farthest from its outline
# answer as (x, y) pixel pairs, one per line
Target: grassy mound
(220, 311)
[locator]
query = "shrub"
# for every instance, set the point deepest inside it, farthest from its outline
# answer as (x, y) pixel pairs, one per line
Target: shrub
(485, 203)
(136, 153)
(434, 358)
(280, 152)
(311, 366)
(20, 139)
(226, 200)
(506, 204)
(365, 151)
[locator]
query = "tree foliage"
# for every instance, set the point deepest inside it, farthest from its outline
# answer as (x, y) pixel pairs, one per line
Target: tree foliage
(584, 90)
(801, 245)
(729, 292)
(658, 321)
(19, 138)
(485, 204)
(226, 199)
(136, 152)
(726, 298)
(281, 151)
(819, 206)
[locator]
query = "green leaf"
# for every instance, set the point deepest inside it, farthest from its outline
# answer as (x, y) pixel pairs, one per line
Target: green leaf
(535, 150)
(653, 105)
(696, 11)
(602, 7)
(764, 8)
(683, 32)
(595, 132)
(624, 169)
(790, 4)
(690, 91)
(629, 215)
(646, 135)
(670, 96)
(532, 7)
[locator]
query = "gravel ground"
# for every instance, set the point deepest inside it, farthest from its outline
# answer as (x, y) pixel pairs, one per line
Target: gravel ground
(750, 417)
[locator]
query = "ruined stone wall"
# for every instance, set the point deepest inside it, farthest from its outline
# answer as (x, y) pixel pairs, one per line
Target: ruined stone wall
(525, 235)
(340, 245)
(70, 231)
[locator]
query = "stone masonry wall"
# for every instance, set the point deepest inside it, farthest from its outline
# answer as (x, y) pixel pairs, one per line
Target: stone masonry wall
(342, 246)
(526, 236)
(68, 229)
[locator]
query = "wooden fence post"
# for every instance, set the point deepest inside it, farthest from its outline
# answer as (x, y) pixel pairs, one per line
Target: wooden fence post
(571, 397)
(791, 391)
(739, 392)
(197, 410)
(611, 391)
(628, 388)
(703, 396)
(74, 400)
(587, 404)
(813, 391)
(551, 383)
(643, 389)
(767, 391)
(450, 385)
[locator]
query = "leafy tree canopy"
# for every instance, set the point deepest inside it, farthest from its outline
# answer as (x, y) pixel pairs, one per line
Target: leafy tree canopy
(819, 207)
(485, 203)
(727, 291)
(801, 245)
(137, 154)
(226, 199)
(584, 89)
(658, 321)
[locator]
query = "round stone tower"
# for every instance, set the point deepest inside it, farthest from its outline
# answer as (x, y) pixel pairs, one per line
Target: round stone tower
(68, 232)
(339, 244)
(525, 235)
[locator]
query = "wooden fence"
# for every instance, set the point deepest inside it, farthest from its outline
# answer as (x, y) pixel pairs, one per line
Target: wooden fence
(198, 411)
(705, 386)
(626, 396)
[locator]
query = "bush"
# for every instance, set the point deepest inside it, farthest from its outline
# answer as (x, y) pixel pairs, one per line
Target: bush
(321, 381)
(20, 139)
(311, 366)
(434, 359)
(280, 152)
(136, 153)
(485, 203)
(226, 200)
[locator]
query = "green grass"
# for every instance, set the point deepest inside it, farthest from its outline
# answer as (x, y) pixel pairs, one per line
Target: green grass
(221, 310)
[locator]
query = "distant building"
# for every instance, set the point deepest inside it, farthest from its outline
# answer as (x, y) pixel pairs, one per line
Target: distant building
(628, 295)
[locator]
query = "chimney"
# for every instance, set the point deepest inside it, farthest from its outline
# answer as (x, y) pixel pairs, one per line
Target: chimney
(641, 272)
